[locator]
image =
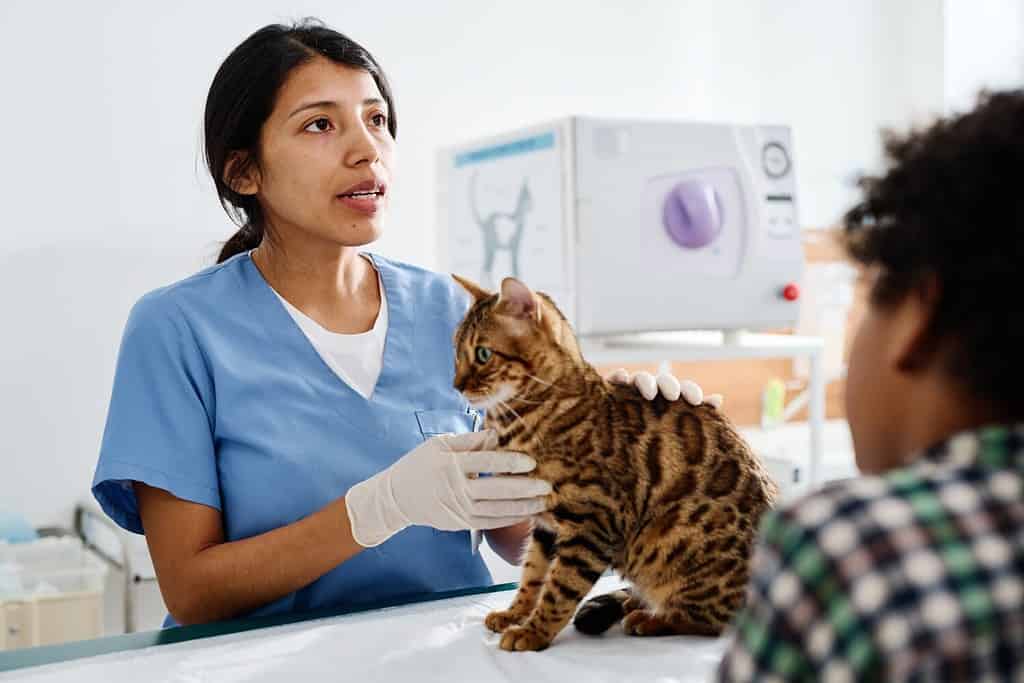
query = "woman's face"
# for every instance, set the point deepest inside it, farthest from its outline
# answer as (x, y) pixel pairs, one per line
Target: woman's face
(326, 156)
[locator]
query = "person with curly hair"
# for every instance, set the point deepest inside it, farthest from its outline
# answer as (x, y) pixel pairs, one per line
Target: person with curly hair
(915, 571)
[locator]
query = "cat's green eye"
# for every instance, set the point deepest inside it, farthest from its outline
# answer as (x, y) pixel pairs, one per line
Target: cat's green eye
(483, 354)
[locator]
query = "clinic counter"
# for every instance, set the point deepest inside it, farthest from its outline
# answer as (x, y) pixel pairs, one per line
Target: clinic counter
(437, 636)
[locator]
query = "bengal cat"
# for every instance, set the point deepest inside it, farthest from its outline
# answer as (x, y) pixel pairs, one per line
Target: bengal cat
(665, 493)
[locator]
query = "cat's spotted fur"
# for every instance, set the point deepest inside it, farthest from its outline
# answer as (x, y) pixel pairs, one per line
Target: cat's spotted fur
(665, 493)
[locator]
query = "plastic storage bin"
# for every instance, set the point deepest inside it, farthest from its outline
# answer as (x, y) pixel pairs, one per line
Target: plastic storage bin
(51, 591)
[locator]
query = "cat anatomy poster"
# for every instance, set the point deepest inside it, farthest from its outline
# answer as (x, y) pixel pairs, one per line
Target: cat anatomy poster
(505, 214)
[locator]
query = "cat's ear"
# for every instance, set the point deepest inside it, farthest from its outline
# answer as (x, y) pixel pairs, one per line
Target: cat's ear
(518, 301)
(475, 290)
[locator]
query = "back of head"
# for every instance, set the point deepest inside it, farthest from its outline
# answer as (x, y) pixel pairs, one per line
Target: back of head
(950, 207)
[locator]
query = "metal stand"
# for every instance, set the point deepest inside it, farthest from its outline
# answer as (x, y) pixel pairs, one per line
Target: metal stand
(731, 345)
(109, 541)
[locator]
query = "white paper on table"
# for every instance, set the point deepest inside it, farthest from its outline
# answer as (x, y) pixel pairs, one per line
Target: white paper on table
(434, 641)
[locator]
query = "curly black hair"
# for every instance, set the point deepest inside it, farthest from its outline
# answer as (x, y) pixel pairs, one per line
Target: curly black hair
(951, 206)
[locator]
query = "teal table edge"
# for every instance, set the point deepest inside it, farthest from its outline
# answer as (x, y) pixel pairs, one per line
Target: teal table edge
(52, 654)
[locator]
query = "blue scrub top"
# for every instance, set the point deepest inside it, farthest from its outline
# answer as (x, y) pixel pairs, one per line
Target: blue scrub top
(220, 399)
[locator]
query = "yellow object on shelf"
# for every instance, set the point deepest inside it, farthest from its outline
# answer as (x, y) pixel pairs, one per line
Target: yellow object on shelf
(773, 403)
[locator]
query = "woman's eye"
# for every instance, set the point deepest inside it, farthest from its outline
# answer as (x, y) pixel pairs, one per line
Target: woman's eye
(379, 120)
(320, 128)
(483, 354)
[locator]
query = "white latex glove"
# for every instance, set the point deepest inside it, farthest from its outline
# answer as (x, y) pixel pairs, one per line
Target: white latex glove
(430, 486)
(671, 388)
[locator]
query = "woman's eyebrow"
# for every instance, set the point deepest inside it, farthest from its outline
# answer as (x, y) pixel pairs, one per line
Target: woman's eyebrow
(368, 102)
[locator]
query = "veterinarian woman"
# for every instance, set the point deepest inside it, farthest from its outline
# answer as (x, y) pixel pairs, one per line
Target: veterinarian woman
(276, 419)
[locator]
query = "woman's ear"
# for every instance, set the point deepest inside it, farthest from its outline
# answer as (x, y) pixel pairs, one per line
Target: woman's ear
(240, 174)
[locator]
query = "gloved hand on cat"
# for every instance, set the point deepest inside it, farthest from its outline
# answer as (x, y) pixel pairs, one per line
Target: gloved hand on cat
(671, 388)
(435, 485)
(432, 486)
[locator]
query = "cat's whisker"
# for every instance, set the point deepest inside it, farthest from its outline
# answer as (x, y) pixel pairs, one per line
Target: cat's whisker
(500, 409)
(518, 416)
(538, 379)
(524, 400)
(541, 381)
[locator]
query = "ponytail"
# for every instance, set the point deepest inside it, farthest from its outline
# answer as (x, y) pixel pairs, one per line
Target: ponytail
(248, 237)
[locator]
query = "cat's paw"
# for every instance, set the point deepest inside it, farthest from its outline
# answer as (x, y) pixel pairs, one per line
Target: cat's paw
(633, 604)
(499, 620)
(642, 623)
(523, 639)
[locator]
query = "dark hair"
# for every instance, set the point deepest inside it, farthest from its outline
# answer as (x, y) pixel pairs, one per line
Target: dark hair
(950, 206)
(242, 97)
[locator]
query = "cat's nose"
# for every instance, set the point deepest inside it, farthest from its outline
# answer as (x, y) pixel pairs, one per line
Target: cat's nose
(460, 382)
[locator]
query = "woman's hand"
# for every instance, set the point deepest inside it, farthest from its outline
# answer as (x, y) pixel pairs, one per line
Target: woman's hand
(434, 485)
(671, 388)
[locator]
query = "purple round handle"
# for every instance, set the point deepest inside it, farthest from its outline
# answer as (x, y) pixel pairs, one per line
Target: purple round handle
(692, 214)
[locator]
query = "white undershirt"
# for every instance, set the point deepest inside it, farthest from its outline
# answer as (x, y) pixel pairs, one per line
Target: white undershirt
(355, 358)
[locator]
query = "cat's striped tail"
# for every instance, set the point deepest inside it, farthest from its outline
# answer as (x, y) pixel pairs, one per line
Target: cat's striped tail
(599, 614)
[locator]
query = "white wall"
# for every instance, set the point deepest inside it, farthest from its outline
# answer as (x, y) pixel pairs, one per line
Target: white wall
(104, 197)
(836, 71)
(984, 42)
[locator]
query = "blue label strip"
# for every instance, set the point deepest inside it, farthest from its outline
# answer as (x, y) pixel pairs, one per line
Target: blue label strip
(531, 144)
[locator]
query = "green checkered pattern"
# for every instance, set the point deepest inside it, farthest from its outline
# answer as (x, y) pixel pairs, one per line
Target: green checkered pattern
(917, 575)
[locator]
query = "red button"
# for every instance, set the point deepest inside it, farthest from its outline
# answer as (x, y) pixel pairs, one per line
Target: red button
(791, 292)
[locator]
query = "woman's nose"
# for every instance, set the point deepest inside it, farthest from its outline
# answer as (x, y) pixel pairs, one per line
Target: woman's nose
(362, 147)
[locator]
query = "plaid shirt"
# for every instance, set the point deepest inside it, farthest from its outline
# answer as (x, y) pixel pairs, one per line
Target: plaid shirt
(914, 575)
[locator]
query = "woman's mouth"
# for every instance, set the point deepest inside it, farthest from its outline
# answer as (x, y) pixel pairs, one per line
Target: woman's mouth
(364, 201)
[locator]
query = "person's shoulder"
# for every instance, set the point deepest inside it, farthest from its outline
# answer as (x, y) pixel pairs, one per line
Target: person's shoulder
(165, 306)
(836, 518)
(844, 518)
(431, 285)
(410, 270)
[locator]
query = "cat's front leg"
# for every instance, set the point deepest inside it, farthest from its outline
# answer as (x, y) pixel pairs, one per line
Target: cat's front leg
(571, 576)
(538, 558)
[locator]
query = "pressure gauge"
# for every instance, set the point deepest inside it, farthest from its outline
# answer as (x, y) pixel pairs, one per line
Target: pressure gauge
(774, 160)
